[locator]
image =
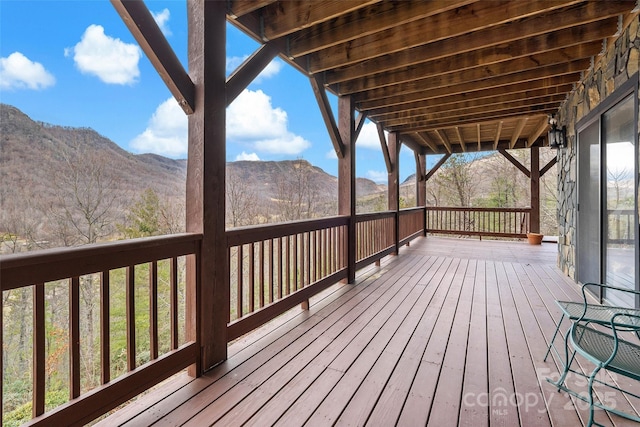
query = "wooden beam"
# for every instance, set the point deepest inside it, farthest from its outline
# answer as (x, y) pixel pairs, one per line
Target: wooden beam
(444, 26)
(461, 139)
(411, 143)
(427, 141)
(495, 142)
(516, 133)
(249, 70)
(464, 100)
(548, 166)
(393, 183)
(534, 216)
(468, 41)
(384, 148)
(240, 8)
(421, 126)
(421, 181)
(359, 123)
(515, 162)
(473, 80)
(543, 125)
(503, 85)
(207, 272)
(507, 102)
(437, 166)
(144, 29)
(327, 115)
(479, 138)
(444, 139)
(347, 180)
(287, 17)
(363, 22)
(530, 53)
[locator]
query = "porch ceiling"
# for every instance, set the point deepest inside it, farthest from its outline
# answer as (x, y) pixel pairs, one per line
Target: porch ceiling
(448, 75)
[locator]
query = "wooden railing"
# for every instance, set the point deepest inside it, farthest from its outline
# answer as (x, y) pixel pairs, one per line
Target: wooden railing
(496, 222)
(275, 267)
(375, 237)
(98, 266)
(411, 224)
(272, 268)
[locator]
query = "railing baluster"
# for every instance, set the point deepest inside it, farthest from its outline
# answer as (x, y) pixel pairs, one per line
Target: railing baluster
(173, 301)
(105, 328)
(252, 277)
(296, 260)
(39, 356)
(261, 274)
(239, 286)
(271, 270)
(287, 262)
(280, 265)
(131, 317)
(308, 256)
(153, 310)
(74, 337)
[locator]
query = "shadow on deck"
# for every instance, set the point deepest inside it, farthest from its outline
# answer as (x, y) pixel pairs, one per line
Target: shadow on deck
(451, 332)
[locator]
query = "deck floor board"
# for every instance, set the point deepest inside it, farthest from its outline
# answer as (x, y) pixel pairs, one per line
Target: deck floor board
(450, 332)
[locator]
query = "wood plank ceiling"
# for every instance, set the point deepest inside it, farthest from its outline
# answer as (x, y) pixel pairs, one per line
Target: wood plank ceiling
(448, 75)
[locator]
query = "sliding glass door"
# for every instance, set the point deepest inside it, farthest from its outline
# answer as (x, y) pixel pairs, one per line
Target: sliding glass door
(607, 250)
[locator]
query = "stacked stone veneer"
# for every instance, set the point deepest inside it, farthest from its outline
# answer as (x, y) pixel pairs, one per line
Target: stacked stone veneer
(615, 66)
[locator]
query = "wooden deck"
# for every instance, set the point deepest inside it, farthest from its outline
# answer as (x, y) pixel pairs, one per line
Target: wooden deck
(451, 332)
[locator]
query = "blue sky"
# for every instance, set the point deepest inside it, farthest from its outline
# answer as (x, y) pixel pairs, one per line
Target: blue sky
(74, 63)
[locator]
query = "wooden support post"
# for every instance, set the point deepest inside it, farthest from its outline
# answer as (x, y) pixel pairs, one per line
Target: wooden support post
(421, 187)
(534, 219)
(347, 179)
(393, 188)
(207, 272)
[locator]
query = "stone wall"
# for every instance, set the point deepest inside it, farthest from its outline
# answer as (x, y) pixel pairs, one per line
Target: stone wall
(611, 69)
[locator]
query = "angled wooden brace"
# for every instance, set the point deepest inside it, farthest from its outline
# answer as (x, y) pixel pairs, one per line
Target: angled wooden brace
(327, 115)
(249, 70)
(138, 19)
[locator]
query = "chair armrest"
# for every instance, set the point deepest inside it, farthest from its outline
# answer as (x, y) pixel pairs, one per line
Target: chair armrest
(633, 324)
(601, 286)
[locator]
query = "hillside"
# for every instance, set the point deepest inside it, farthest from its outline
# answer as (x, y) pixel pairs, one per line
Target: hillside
(39, 162)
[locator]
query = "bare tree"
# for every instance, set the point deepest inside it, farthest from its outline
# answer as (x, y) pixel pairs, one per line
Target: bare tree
(296, 193)
(242, 207)
(86, 205)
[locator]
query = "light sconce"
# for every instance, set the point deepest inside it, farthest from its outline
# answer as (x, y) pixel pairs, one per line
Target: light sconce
(557, 136)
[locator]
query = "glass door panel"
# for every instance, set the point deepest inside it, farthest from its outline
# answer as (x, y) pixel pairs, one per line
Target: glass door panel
(619, 220)
(588, 248)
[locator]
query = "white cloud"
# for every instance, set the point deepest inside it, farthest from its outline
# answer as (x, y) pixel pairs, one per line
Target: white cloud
(269, 71)
(19, 72)
(252, 157)
(331, 154)
(162, 19)
(108, 58)
(368, 137)
(377, 176)
(252, 120)
(166, 132)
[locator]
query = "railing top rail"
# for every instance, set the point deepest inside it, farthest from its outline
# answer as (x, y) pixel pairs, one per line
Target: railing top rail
(257, 233)
(413, 209)
(469, 209)
(28, 268)
(374, 215)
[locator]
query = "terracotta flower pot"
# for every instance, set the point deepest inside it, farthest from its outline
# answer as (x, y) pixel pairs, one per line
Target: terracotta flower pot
(534, 238)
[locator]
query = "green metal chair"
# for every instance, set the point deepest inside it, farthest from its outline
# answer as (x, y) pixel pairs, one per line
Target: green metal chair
(593, 313)
(606, 350)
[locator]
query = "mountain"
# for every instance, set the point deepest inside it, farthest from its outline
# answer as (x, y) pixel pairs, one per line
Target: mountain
(35, 155)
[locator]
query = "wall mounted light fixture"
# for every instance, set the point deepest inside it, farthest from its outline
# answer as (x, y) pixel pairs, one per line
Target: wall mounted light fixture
(557, 136)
